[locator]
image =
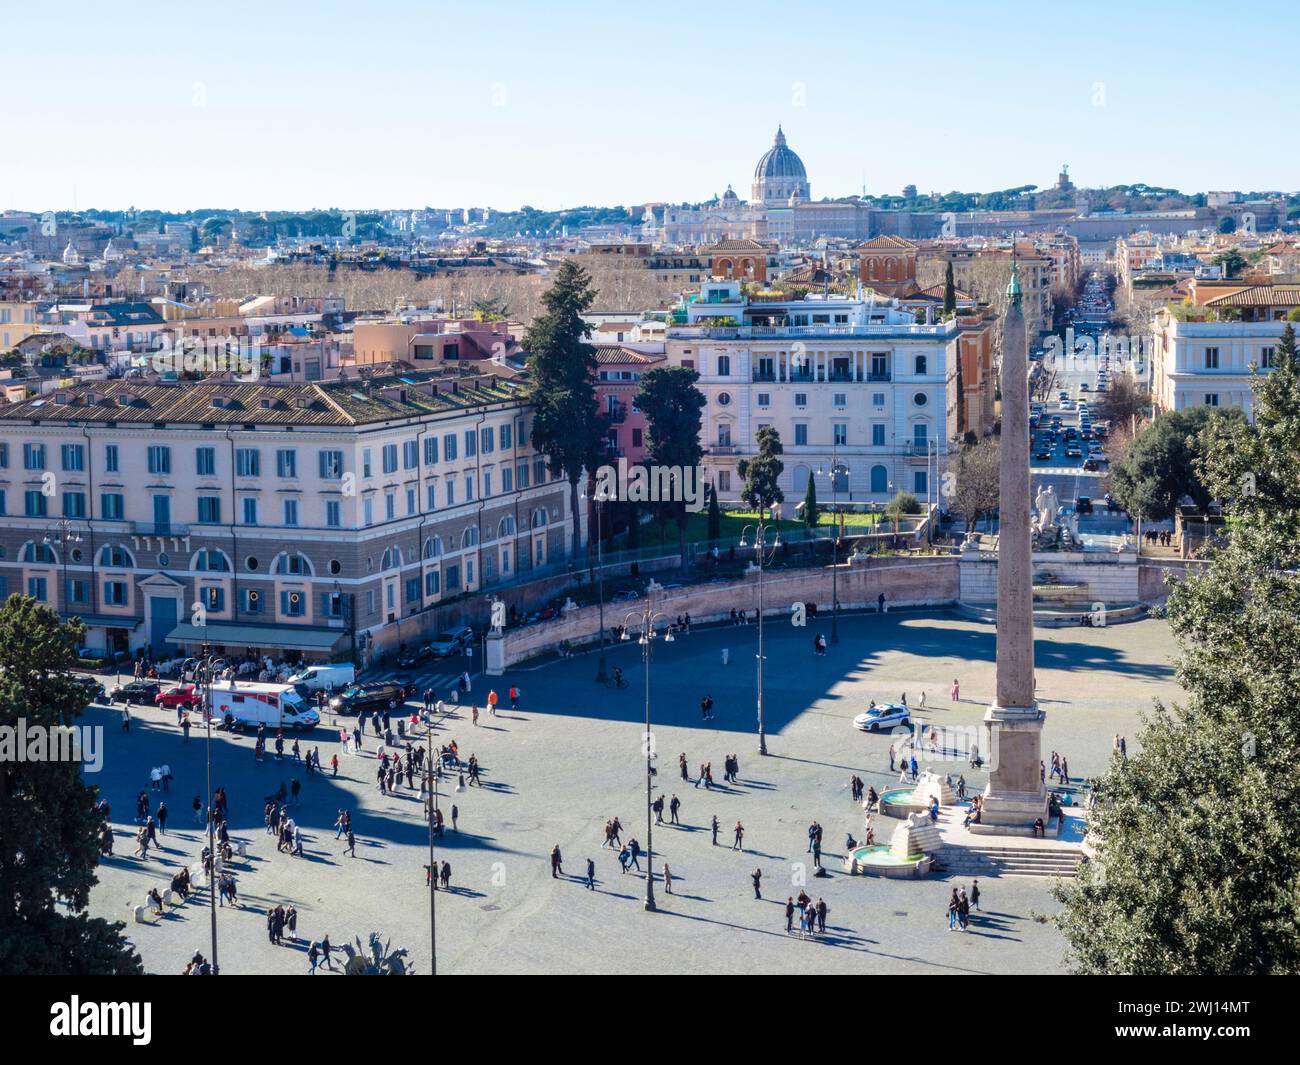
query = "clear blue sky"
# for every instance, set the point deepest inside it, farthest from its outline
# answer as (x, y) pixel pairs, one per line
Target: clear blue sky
(397, 103)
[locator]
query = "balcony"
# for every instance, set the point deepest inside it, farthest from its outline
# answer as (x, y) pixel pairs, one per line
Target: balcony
(880, 378)
(163, 528)
(723, 449)
(617, 413)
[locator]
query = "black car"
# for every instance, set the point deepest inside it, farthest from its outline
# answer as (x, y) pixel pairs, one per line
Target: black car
(1083, 505)
(137, 691)
(372, 697)
(414, 656)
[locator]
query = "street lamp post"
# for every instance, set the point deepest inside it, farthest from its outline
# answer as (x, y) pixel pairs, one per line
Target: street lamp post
(760, 551)
(62, 534)
(601, 676)
(648, 618)
(205, 670)
(433, 872)
(836, 471)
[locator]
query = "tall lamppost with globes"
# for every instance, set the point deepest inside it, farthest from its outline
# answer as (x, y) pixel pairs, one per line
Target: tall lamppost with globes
(206, 669)
(836, 471)
(61, 535)
(764, 552)
(599, 499)
(648, 617)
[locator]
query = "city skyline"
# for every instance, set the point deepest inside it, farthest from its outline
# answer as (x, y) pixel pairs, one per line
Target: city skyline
(446, 107)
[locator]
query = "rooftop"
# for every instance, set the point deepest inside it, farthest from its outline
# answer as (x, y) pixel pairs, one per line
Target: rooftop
(216, 402)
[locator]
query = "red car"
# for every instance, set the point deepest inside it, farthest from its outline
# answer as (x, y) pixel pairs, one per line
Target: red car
(183, 695)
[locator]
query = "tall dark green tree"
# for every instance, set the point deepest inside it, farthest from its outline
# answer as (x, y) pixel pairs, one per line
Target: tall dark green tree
(1163, 464)
(49, 828)
(672, 407)
(811, 512)
(949, 292)
(762, 473)
(1252, 465)
(715, 517)
(1198, 832)
(567, 427)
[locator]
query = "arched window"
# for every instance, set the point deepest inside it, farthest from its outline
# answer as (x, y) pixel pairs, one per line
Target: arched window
(34, 552)
(506, 527)
(392, 559)
(539, 518)
(433, 547)
(921, 363)
(469, 538)
(211, 560)
(879, 479)
(293, 564)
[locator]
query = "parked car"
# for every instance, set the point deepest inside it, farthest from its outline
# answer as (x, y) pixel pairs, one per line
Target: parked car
(882, 715)
(183, 695)
(311, 679)
(136, 691)
(414, 656)
(1083, 505)
(370, 697)
(451, 642)
(94, 690)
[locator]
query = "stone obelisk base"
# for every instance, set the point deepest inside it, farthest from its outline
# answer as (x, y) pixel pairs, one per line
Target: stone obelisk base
(1015, 797)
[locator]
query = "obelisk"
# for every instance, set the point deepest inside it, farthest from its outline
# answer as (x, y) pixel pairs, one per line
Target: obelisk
(1015, 796)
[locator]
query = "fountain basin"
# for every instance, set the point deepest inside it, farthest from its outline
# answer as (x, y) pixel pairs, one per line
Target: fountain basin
(880, 860)
(899, 802)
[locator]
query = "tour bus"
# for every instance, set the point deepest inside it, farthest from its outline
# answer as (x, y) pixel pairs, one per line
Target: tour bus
(273, 705)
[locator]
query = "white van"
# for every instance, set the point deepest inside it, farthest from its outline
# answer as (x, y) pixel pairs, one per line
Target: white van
(272, 705)
(312, 679)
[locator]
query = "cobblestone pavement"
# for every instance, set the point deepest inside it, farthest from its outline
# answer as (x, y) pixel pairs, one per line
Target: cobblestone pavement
(571, 757)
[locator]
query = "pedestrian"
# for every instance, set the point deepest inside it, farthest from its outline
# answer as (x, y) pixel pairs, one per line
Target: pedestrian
(162, 818)
(313, 956)
(955, 694)
(557, 869)
(591, 875)
(514, 697)
(822, 909)
(455, 813)
(351, 848)
(492, 703)
(789, 915)
(739, 837)
(673, 807)
(953, 904)
(668, 879)
(715, 826)
(198, 809)
(325, 949)
(757, 877)
(975, 895)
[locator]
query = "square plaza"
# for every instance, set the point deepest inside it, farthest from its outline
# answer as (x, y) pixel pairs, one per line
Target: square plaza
(571, 757)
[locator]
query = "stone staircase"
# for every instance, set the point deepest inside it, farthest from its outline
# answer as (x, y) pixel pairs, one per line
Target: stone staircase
(1009, 860)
